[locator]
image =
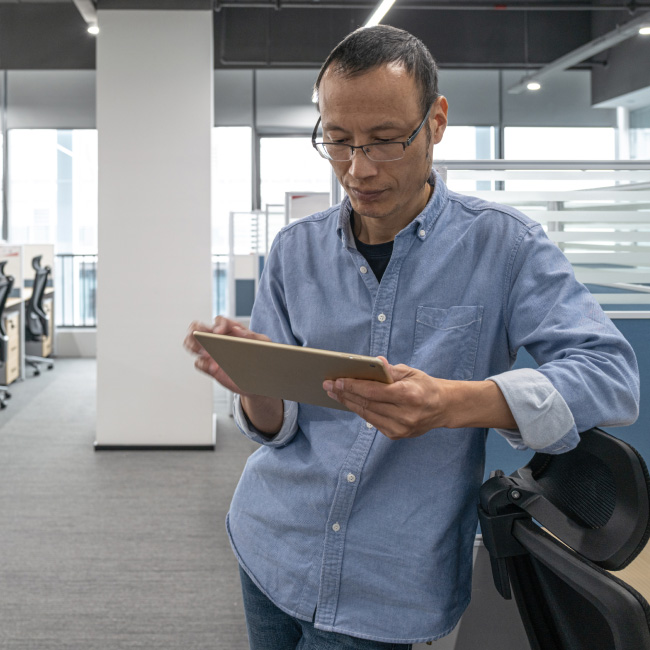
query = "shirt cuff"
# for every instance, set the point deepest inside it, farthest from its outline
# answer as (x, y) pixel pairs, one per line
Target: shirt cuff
(281, 438)
(544, 421)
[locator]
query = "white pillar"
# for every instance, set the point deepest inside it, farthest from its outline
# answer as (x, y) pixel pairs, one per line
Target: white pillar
(154, 117)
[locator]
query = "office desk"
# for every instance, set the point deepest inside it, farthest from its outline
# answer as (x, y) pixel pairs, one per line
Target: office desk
(637, 574)
(10, 370)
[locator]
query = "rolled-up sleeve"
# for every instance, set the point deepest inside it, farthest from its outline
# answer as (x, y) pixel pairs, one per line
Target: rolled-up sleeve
(544, 421)
(281, 438)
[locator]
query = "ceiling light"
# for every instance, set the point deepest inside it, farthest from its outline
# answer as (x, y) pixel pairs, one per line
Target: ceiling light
(379, 13)
(533, 85)
(94, 30)
(645, 31)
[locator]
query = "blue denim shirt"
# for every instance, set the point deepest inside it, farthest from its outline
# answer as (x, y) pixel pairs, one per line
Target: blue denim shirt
(371, 537)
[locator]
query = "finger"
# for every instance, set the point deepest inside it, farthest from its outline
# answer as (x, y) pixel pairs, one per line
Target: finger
(362, 390)
(368, 409)
(211, 368)
(223, 325)
(190, 343)
(245, 333)
(228, 327)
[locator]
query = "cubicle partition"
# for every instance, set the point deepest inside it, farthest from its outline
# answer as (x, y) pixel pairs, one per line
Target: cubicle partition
(13, 317)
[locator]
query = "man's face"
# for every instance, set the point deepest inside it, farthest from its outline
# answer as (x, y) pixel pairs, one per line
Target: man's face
(380, 105)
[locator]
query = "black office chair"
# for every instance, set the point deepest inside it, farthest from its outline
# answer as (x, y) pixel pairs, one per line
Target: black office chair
(36, 322)
(6, 284)
(555, 528)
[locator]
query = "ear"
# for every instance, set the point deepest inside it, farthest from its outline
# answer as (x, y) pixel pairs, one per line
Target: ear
(438, 118)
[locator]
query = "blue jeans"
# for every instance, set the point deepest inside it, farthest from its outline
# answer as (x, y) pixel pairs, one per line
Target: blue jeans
(269, 628)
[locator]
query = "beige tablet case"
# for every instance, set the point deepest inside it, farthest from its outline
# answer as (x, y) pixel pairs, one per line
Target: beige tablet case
(288, 371)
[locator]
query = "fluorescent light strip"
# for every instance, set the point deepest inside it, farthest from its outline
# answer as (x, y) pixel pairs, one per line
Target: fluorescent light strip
(379, 13)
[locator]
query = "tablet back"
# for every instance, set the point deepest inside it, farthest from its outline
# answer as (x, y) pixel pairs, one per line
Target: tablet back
(288, 371)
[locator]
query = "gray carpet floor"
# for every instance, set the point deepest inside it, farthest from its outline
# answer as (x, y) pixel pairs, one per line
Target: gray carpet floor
(114, 549)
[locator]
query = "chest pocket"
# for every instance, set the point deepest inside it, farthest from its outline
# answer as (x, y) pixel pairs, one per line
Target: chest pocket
(446, 340)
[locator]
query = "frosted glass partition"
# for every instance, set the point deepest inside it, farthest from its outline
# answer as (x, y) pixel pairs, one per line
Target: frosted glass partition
(251, 235)
(598, 213)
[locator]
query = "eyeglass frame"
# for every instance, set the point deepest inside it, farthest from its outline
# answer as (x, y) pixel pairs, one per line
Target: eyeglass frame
(352, 147)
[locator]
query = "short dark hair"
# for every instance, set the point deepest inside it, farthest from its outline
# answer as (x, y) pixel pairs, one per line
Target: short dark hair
(369, 47)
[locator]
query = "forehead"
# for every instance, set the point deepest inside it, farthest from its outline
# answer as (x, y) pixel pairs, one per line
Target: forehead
(385, 88)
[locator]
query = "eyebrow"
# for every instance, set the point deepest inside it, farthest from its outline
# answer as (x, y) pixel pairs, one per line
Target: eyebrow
(384, 126)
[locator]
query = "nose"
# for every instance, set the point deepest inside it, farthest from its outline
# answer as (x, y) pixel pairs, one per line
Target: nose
(361, 166)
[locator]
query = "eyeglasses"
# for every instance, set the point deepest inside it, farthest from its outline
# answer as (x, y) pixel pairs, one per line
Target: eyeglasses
(377, 151)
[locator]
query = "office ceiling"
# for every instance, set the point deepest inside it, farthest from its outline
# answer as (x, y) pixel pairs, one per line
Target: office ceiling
(50, 34)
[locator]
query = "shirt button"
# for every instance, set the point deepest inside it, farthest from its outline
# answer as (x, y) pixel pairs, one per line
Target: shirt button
(423, 233)
(363, 269)
(369, 425)
(351, 478)
(336, 527)
(381, 318)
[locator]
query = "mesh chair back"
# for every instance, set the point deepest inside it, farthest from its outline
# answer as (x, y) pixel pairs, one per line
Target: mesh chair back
(37, 325)
(595, 498)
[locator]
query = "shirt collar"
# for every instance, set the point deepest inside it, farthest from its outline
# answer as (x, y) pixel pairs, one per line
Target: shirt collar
(420, 226)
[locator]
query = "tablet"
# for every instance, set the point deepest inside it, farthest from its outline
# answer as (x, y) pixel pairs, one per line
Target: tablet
(289, 372)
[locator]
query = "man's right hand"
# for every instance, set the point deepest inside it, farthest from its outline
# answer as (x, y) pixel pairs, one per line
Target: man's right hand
(265, 413)
(204, 361)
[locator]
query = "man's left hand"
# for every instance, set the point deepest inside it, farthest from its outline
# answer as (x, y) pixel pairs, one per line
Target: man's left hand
(410, 406)
(416, 402)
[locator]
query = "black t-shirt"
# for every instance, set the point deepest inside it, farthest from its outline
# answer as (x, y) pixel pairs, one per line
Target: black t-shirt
(377, 255)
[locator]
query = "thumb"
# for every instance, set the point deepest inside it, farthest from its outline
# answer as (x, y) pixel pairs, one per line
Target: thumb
(396, 372)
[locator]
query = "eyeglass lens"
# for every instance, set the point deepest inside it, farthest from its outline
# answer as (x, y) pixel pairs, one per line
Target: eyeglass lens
(384, 151)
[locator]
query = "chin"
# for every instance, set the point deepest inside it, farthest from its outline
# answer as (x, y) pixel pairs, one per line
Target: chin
(369, 209)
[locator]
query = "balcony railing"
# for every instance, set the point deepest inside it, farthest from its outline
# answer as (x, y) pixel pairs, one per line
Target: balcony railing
(75, 282)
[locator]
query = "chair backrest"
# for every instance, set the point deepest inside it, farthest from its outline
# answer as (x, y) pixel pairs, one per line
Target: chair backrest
(6, 284)
(594, 501)
(36, 325)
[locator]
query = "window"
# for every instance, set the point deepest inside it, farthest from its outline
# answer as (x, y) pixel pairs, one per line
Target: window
(559, 143)
(466, 143)
(231, 180)
(53, 188)
(288, 165)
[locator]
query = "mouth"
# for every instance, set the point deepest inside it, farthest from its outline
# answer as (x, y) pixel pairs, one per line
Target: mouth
(365, 195)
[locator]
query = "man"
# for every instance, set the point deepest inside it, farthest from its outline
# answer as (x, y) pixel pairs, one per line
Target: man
(355, 529)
